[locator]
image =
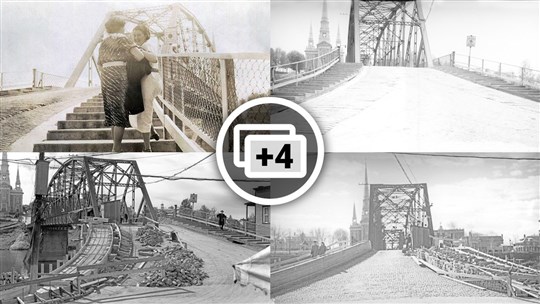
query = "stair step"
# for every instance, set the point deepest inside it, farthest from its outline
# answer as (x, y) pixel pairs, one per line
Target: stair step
(85, 116)
(88, 110)
(95, 134)
(132, 145)
(90, 124)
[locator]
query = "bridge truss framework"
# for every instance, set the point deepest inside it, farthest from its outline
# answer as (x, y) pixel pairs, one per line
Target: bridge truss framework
(397, 211)
(82, 186)
(388, 33)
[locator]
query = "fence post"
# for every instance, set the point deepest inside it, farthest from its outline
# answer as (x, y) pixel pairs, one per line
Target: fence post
(500, 69)
(1, 81)
(482, 66)
(34, 78)
(223, 76)
(522, 75)
(453, 59)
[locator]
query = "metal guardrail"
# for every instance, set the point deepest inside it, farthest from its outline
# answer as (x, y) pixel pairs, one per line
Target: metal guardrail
(520, 75)
(201, 89)
(294, 72)
(34, 79)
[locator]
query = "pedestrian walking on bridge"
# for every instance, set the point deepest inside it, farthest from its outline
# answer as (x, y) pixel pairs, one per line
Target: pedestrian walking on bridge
(221, 219)
(314, 249)
(322, 249)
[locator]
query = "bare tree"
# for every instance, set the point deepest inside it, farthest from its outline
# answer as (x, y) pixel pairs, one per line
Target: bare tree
(340, 234)
(320, 234)
(276, 234)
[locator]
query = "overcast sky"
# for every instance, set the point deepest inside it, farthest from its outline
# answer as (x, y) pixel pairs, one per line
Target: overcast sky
(479, 195)
(505, 30)
(52, 36)
(210, 193)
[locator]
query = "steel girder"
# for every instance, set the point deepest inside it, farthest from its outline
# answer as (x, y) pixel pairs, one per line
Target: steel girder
(393, 210)
(83, 184)
(388, 33)
(176, 28)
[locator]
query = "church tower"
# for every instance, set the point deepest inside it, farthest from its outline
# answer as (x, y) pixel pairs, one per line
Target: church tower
(355, 230)
(16, 196)
(364, 221)
(5, 186)
(324, 46)
(311, 51)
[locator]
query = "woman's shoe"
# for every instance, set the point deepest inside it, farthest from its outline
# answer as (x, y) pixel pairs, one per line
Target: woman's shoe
(147, 150)
(155, 136)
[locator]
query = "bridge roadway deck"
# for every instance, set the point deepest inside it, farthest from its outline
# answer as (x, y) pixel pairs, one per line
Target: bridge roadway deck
(389, 276)
(95, 252)
(219, 255)
(422, 110)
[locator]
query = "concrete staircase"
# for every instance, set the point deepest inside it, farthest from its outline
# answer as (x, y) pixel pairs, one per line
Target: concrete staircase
(318, 85)
(493, 82)
(84, 131)
(233, 236)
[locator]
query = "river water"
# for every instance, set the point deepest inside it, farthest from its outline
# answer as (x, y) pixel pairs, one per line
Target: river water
(11, 258)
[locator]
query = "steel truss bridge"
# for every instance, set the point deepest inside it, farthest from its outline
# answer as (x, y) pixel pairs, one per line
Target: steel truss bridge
(86, 187)
(398, 211)
(200, 87)
(388, 33)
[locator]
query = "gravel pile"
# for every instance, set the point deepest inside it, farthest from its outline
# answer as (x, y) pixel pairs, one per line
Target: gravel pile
(180, 268)
(149, 236)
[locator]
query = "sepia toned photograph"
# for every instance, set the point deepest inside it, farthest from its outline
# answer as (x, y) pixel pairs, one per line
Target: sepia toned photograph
(128, 77)
(412, 228)
(416, 76)
(128, 228)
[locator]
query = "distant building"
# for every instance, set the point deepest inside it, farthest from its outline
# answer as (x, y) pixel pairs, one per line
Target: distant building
(258, 216)
(528, 244)
(324, 46)
(485, 243)
(452, 234)
(10, 198)
(355, 230)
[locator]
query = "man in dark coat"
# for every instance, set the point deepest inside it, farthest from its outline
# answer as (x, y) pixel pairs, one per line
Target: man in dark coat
(221, 219)
(314, 249)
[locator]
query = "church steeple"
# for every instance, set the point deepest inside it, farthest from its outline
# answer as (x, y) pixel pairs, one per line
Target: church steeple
(354, 220)
(18, 180)
(311, 44)
(324, 33)
(365, 205)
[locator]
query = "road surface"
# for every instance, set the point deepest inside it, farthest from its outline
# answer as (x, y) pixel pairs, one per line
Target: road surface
(423, 110)
(218, 254)
(388, 276)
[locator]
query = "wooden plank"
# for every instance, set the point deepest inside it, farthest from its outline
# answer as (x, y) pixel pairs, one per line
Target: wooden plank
(117, 273)
(465, 283)
(157, 258)
(39, 281)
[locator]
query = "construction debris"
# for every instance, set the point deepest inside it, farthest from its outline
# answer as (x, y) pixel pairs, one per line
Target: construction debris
(149, 236)
(180, 268)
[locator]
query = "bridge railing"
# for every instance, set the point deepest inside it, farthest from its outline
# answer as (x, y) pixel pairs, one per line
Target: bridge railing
(521, 75)
(34, 79)
(245, 227)
(294, 72)
(201, 89)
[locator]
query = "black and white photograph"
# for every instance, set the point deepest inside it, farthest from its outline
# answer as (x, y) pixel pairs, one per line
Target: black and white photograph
(416, 76)
(128, 228)
(102, 76)
(412, 228)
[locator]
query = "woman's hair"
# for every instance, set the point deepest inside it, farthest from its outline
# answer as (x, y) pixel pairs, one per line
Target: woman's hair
(114, 25)
(143, 29)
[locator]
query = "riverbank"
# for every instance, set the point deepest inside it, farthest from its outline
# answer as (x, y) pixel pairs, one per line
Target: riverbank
(17, 235)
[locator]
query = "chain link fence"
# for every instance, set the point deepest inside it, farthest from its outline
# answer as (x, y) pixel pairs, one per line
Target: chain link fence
(200, 90)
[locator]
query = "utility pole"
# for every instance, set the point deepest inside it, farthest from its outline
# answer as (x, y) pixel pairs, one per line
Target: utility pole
(42, 176)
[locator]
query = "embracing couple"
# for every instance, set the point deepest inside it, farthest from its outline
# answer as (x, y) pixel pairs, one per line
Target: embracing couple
(129, 82)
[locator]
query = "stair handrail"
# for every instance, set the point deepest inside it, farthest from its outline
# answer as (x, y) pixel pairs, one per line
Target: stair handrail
(326, 61)
(521, 75)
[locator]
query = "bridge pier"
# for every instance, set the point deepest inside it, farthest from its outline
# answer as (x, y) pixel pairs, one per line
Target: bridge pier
(54, 245)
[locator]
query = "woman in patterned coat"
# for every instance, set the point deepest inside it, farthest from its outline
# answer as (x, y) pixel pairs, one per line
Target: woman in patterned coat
(113, 55)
